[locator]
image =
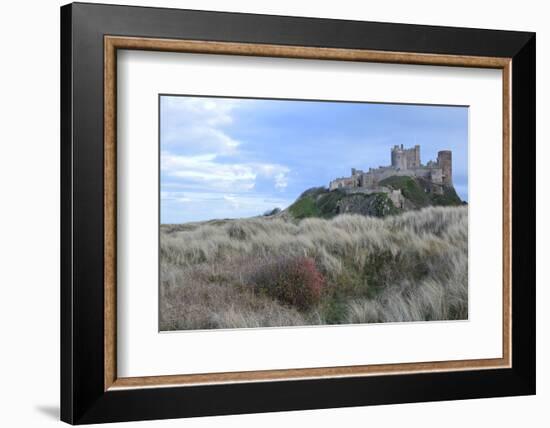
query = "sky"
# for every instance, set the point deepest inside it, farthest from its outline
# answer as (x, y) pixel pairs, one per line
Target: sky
(238, 157)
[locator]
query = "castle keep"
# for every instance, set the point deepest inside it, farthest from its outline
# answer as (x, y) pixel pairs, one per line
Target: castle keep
(404, 162)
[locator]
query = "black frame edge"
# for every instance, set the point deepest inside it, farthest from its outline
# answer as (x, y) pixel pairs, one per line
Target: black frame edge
(524, 213)
(305, 31)
(66, 130)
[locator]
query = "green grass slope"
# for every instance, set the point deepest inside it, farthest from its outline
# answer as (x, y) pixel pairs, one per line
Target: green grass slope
(322, 203)
(419, 192)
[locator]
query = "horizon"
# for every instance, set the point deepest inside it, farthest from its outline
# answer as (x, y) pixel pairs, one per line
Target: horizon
(240, 157)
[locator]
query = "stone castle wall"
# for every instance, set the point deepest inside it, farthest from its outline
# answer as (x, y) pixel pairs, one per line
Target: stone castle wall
(404, 162)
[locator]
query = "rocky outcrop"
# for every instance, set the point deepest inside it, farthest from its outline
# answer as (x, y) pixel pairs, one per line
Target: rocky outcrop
(375, 205)
(414, 193)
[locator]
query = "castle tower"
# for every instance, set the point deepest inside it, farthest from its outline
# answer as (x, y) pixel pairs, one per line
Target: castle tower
(417, 156)
(398, 159)
(445, 162)
(404, 159)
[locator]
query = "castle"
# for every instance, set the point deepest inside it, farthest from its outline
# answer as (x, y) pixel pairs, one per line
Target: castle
(403, 162)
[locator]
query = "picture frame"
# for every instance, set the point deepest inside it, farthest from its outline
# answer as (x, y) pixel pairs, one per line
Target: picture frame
(91, 390)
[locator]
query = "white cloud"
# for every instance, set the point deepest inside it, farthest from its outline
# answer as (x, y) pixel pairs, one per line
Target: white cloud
(216, 111)
(197, 123)
(281, 180)
(234, 177)
(206, 173)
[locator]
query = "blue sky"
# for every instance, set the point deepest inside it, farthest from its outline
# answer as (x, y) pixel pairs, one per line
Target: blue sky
(231, 157)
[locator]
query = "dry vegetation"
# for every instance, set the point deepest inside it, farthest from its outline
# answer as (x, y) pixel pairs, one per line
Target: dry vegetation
(271, 271)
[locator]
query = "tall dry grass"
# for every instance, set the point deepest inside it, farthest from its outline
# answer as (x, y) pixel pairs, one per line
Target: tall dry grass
(410, 267)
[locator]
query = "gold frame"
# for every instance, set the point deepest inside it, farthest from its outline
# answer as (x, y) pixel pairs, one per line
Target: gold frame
(112, 43)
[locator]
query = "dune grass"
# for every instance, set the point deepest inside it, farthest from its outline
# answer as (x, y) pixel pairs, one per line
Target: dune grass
(272, 271)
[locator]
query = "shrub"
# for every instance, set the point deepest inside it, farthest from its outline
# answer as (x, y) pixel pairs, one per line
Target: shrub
(293, 281)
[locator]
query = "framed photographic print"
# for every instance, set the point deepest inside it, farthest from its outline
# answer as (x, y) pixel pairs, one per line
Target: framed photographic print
(265, 213)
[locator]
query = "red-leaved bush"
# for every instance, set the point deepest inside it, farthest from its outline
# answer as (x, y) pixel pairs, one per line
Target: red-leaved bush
(294, 281)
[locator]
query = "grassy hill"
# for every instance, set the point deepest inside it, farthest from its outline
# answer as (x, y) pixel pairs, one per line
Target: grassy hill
(319, 202)
(418, 193)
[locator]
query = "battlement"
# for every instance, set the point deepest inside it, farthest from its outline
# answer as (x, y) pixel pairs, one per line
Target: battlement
(402, 158)
(404, 162)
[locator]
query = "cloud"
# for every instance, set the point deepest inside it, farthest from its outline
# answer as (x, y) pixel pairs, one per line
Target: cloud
(197, 146)
(281, 180)
(204, 169)
(198, 124)
(196, 138)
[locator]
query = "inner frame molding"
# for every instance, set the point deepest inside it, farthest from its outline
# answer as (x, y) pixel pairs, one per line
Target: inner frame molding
(113, 43)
